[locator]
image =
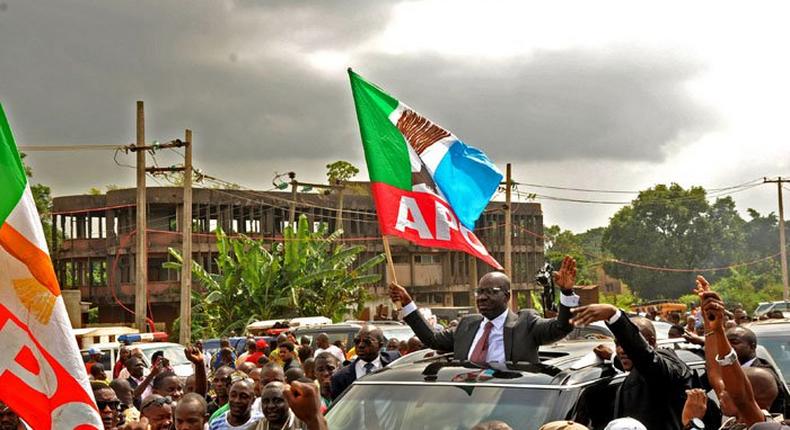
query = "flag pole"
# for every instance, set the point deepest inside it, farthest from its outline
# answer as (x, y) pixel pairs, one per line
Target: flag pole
(390, 264)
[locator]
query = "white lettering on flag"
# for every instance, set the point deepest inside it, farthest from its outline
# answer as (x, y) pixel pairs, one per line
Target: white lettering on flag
(408, 206)
(445, 220)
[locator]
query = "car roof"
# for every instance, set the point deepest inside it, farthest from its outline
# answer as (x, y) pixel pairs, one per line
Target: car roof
(564, 365)
(327, 328)
(769, 327)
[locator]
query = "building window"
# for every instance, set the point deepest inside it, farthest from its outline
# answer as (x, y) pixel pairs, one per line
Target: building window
(427, 259)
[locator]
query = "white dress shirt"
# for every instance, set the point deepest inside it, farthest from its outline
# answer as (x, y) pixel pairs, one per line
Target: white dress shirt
(496, 339)
(360, 370)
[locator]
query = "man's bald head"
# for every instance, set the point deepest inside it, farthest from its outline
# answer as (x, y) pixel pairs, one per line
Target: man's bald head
(763, 385)
(495, 279)
(646, 328)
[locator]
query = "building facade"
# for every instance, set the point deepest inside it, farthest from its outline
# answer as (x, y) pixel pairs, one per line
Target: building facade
(93, 245)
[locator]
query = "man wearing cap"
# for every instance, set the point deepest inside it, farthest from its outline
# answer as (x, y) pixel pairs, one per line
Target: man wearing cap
(94, 356)
(496, 334)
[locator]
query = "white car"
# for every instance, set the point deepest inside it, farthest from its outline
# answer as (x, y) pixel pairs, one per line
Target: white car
(173, 352)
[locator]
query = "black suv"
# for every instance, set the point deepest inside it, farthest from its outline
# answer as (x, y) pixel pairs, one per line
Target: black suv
(419, 392)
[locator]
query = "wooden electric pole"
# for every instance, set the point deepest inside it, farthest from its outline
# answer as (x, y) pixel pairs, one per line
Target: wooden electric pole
(509, 235)
(292, 212)
(185, 331)
(782, 245)
(141, 256)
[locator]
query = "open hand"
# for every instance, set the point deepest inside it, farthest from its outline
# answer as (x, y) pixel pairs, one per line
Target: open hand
(696, 405)
(193, 355)
(589, 314)
(398, 294)
(565, 279)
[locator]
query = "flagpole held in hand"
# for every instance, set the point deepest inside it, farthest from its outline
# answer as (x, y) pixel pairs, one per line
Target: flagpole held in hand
(390, 265)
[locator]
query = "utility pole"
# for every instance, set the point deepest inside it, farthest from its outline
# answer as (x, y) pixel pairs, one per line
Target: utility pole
(782, 246)
(141, 257)
(292, 213)
(509, 234)
(339, 217)
(185, 331)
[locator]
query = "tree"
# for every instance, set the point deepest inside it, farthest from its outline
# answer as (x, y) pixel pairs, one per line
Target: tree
(672, 227)
(340, 171)
(308, 274)
(42, 195)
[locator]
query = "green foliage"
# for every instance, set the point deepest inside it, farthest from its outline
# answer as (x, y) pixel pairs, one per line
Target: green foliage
(93, 191)
(746, 288)
(581, 247)
(42, 195)
(623, 300)
(340, 171)
(308, 274)
(669, 226)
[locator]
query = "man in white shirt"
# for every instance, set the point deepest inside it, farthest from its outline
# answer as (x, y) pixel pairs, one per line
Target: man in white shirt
(497, 334)
(323, 345)
(370, 358)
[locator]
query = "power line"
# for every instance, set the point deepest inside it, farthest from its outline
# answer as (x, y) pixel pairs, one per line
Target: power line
(60, 148)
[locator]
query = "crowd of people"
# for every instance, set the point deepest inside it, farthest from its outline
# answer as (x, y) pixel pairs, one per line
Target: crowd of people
(290, 385)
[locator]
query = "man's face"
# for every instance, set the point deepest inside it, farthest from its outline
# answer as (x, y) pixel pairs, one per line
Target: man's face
(108, 404)
(492, 296)
(743, 349)
(274, 406)
(740, 316)
(9, 420)
(240, 399)
(189, 417)
(124, 354)
(160, 416)
(189, 385)
(322, 341)
(220, 384)
(199, 345)
(137, 368)
(626, 362)
(367, 345)
(324, 369)
(285, 354)
(172, 387)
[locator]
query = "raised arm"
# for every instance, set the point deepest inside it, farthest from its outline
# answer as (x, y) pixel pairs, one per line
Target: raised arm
(442, 341)
(196, 357)
(550, 330)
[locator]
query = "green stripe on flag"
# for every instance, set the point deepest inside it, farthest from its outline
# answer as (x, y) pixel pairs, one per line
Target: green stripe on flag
(12, 173)
(386, 152)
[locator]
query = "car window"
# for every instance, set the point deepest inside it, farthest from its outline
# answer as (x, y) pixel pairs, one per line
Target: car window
(174, 354)
(395, 407)
(400, 333)
(779, 347)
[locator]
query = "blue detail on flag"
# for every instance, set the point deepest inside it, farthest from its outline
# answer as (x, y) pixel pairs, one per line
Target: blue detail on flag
(468, 179)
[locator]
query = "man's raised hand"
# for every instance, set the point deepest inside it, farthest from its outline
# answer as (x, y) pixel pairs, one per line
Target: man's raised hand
(696, 405)
(398, 294)
(565, 279)
(193, 355)
(586, 315)
(305, 402)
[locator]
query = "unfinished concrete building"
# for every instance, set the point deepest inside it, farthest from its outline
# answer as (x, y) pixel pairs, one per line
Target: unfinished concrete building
(94, 246)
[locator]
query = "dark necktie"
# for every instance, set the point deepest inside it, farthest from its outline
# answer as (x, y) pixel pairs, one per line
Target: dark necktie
(480, 353)
(368, 368)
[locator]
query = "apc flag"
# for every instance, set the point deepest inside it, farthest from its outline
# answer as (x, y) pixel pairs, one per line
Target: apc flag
(42, 377)
(429, 187)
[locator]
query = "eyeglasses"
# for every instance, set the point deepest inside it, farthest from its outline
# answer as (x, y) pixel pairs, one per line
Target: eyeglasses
(113, 404)
(363, 342)
(488, 291)
(158, 401)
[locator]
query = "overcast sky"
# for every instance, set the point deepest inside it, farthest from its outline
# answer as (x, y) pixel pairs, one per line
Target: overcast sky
(603, 95)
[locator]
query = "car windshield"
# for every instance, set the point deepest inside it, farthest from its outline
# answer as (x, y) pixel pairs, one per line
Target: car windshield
(779, 347)
(762, 307)
(446, 407)
(400, 333)
(173, 353)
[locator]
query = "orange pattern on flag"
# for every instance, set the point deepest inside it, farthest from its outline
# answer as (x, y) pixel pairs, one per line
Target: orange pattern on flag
(36, 260)
(36, 298)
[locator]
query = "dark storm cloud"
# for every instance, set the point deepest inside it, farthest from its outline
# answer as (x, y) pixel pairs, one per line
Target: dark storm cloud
(237, 74)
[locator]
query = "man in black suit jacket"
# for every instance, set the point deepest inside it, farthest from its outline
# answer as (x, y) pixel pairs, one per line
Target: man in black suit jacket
(654, 390)
(370, 358)
(744, 342)
(496, 335)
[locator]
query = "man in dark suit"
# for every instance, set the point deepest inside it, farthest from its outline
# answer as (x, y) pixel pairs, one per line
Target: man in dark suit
(496, 335)
(370, 358)
(744, 342)
(654, 390)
